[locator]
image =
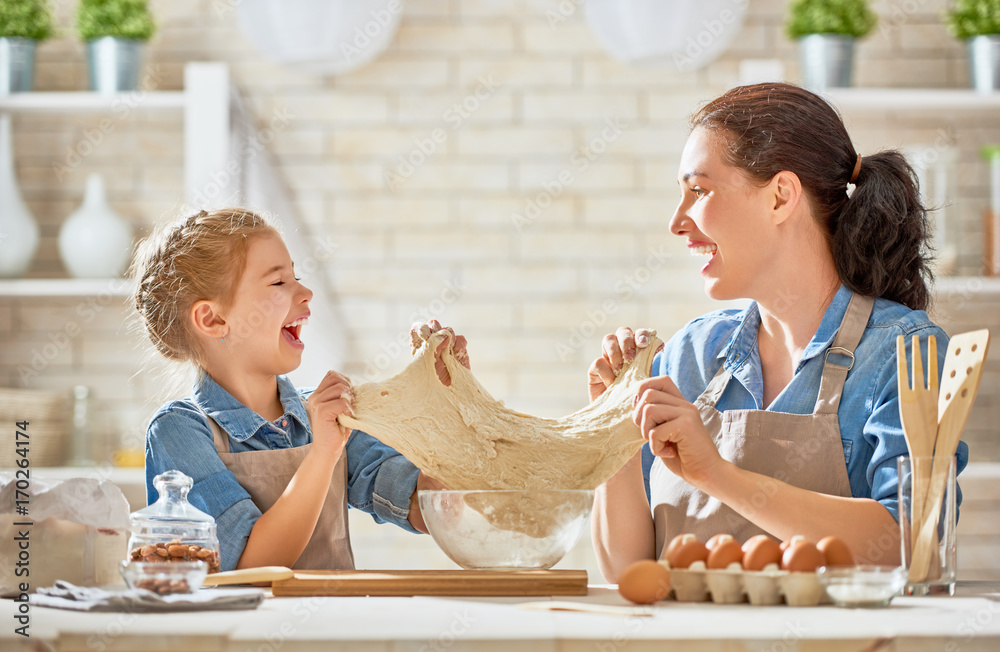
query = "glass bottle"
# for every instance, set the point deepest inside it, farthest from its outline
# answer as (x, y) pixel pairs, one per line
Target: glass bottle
(991, 218)
(172, 529)
(81, 427)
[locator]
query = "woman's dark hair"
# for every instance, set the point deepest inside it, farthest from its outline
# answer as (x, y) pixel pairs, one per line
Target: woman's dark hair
(878, 236)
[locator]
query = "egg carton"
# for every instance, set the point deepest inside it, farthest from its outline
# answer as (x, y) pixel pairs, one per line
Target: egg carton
(734, 585)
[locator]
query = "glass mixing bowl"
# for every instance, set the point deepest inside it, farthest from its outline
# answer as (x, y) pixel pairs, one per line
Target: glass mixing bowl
(862, 586)
(506, 529)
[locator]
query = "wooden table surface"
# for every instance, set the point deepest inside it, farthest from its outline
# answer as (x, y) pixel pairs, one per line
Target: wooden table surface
(966, 622)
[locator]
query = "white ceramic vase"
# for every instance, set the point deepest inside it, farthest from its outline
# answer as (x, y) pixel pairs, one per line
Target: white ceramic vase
(18, 230)
(95, 242)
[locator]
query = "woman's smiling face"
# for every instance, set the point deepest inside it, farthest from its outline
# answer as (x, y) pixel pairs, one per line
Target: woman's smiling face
(723, 217)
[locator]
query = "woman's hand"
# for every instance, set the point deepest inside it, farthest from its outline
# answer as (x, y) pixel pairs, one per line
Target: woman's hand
(331, 399)
(420, 332)
(617, 350)
(675, 431)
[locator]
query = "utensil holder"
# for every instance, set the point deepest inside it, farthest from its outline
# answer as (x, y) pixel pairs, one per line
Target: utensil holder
(938, 535)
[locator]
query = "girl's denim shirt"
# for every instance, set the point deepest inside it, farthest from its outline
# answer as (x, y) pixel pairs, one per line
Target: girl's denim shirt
(380, 481)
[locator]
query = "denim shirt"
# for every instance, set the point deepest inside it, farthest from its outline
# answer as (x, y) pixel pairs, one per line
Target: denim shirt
(380, 481)
(870, 428)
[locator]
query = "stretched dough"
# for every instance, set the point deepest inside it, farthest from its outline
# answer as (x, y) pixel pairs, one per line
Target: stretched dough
(468, 440)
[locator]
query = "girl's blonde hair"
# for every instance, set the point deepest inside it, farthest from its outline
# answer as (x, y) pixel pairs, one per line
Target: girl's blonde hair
(198, 258)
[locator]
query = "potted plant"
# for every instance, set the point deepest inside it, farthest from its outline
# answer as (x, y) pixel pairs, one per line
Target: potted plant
(114, 31)
(977, 22)
(826, 31)
(23, 23)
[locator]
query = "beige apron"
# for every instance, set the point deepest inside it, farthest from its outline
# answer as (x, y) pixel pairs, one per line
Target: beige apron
(803, 450)
(266, 474)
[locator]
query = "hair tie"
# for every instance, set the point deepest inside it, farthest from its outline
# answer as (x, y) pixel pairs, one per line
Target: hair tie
(857, 168)
(854, 175)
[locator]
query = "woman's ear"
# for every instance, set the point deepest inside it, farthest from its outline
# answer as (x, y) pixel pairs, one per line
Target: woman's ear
(787, 195)
(207, 320)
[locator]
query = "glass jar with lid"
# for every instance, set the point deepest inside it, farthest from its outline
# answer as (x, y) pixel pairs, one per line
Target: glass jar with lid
(172, 529)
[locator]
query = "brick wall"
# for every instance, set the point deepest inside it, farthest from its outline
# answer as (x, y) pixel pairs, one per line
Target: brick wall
(533, 295)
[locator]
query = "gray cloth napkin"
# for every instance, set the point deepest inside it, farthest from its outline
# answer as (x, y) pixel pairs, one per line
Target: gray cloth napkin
(79, 598)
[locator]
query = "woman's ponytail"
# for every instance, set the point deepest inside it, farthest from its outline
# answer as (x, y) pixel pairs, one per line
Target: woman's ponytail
(880, 236)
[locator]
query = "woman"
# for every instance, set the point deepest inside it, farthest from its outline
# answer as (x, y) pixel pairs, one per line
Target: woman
(783, 417)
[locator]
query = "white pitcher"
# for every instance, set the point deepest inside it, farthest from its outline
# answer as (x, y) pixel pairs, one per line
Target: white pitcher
(18, 230)
(95, 242)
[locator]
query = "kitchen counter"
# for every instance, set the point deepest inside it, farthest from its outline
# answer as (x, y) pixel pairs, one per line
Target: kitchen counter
(969, 621)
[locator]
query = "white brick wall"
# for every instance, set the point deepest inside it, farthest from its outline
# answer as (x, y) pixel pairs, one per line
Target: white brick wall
(523, 291)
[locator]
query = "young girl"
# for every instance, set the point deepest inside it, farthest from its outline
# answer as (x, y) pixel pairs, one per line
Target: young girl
(784, 417)
(269, 462)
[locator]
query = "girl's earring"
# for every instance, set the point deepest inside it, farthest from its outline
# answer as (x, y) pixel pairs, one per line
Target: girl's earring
(225, 339)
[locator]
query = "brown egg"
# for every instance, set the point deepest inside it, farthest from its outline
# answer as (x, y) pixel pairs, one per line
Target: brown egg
(802, 556)
(759, 551)
(645, 581)
(684, 550)
(835, 552)
(716, 538)
(676, 543)
(725, 551)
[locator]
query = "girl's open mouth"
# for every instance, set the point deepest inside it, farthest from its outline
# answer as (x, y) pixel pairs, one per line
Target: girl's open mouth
(292, 330)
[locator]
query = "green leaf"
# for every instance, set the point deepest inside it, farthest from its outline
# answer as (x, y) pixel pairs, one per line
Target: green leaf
(128, 19)
(968, 18)
(847, 17)
(25, 19)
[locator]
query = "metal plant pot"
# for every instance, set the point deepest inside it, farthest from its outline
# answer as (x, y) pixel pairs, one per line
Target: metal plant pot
(827, 60)
(17, 65)
(114, 64)
(984, 62)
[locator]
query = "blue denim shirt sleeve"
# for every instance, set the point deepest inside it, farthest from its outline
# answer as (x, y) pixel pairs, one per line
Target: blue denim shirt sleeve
(380, 480)
(179, 438)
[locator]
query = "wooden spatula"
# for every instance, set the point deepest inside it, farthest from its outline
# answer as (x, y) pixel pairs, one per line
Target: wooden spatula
(963, 369)
(918, 414)
(248, 576)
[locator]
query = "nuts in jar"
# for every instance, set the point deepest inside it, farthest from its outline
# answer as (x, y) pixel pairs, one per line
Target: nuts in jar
(164, 586)
(174, 551)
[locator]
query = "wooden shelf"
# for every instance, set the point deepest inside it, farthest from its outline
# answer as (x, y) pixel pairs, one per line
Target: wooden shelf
(81, 101)
(65, 287)
(967, 285)
(912, 99)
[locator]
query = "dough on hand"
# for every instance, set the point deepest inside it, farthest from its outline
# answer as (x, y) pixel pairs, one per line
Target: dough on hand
(465, 438)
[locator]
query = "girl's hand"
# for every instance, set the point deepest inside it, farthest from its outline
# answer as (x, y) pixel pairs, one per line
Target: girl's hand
(331, 399)
(617, 351)
(421, 332)
(416, 517)
(675, 431)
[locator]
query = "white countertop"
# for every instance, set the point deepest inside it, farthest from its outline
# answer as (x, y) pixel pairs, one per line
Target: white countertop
(968, 620)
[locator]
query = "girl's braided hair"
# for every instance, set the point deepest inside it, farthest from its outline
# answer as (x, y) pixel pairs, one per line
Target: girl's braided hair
(198, 258)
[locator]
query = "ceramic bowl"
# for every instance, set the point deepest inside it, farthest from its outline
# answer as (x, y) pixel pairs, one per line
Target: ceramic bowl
(862, 586)
(506, 529)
